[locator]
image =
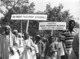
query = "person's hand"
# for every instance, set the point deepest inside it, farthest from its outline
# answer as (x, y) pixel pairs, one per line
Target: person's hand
(27, 47)
(11, 51)
(18, 52)
(30, 49)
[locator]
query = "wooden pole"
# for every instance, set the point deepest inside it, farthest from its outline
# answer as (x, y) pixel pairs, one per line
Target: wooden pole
(51, 32)
(27, 26)
(21, 26)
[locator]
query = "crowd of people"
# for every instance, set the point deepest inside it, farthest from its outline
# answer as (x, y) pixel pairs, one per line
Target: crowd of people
(15, 45)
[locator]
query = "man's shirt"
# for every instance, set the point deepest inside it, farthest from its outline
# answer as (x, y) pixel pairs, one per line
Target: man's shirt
(69, 37)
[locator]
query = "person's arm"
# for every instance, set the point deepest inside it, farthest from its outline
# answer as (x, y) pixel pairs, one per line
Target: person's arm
(33, 46)
(43, 47)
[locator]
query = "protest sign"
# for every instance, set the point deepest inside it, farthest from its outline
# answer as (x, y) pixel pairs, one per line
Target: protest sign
(29, 17)
(52, 26)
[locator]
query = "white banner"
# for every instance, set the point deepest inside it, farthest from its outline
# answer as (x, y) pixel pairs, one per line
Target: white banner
(52, 26)
(28, 17)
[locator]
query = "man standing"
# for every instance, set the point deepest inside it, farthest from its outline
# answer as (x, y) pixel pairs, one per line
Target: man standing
(40, 47)
(51, 48)
(29, 48)
(7, 42)
(69, 36)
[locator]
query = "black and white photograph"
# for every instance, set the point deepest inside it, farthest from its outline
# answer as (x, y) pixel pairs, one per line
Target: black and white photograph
(39, 29)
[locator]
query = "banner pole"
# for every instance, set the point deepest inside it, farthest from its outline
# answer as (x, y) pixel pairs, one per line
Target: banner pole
(51, 32)
(21, 26)
(27, 26)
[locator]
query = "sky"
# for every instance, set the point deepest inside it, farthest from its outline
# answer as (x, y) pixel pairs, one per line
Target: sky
(72, 5)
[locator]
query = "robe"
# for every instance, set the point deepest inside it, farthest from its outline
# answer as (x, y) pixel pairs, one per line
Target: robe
(30, 50)
(7, 41)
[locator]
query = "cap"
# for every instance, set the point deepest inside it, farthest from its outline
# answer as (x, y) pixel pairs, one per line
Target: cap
(20, 34)
(38, 35)
(16, 31)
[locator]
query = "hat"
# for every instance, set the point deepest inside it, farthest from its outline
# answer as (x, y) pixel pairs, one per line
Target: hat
(20, 34)
(38, 35)
(16, 31)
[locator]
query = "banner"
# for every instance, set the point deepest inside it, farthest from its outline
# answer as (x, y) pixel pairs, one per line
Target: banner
(28, 17)
(52, 26)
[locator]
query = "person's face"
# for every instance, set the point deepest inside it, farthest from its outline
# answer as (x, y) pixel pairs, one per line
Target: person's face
(37, 39)
(53, 39)
(26, 36)
(19, 36)
(16, 34)
(7, 30)
(72, 24)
